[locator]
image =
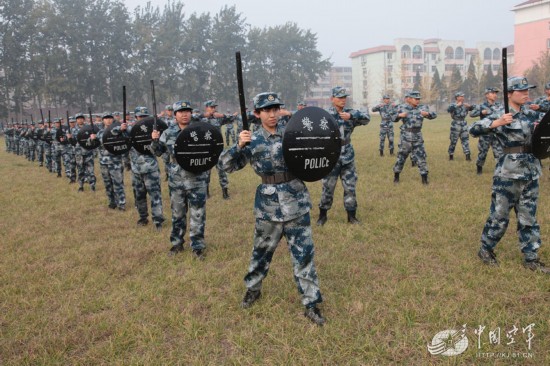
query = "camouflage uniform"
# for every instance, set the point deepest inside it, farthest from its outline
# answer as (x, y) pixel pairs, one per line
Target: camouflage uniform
(458, 127)
(32, 143)
(68, 156)
(57, 150)
(487, 140)
(411, 140)
(112, 172)
(386, 111)
(40, 144)
(515, 182)
(48, 148)
(84, 163)
(281, 209)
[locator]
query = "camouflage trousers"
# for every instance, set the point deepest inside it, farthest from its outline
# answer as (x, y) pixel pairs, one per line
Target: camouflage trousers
(113, 179)
(224, 181)
(417, 151)
(85, 167)
(194, 201)
(31, 150)
(7, 141)
(230, 135)
(267, 235)
(522, 196)
(486, 141)
(23, 147)
(459, 130)
(40, 152)
(386, 130)
(56, 159)
(348, 175)
(69, 161)
(48, 156)
(148, 183)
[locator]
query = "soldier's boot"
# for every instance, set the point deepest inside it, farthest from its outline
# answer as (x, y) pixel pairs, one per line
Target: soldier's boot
(391, 152)
(225, 192)
(178, 248)
(81, 189)
(207, 192)
(451, 157)
(413, 163)
(199, 254)
(479, 169)
(381, 152)
(468, 157)
(142, 221)
(537, 266)
(250, 298)
(112, 205)
(396, 177)
(488, 257)
(425, 178)
(352, 219)
(58, 175)
(92, 187)
(314, 314)
(322, 217)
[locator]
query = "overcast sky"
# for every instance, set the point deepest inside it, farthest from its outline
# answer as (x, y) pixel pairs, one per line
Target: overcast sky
(346, 26)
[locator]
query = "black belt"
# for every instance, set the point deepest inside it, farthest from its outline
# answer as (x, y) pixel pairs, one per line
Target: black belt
(277, 178)
(518, 150)
(413, 129)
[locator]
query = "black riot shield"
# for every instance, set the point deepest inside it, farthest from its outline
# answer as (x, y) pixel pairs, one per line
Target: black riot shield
(83, 136)
(115, 144)
(311, 144)
(140, 134)
(198, 147)
(540, 141)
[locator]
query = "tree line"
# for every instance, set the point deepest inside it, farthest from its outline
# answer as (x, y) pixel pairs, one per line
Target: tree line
(77, 54)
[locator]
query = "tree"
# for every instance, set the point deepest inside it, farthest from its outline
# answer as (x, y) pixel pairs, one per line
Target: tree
(539, 73)
(470, 84)
(455, 83)
(417, 81)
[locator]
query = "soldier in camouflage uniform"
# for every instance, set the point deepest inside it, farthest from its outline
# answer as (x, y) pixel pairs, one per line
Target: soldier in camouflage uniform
(145, 179)
(48, 145)
(386, 110)
(459, 111)
(486, 110)
(31, 134)
(281, 207)
(40, 143)
(111, 167)
(347, 120)
(168, 117)
(68, 154)
(230, 136)
(84, 158)
(516, 178)
(57, 148)
(412, 114)
(542, 104)
(187, 190)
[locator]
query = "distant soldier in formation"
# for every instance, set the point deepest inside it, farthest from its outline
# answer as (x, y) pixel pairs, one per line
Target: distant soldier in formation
(68, 154)
(230, 137)
(187, 190)
(542, 104)
(40, 143)
(486, 110)
(281, 207)
(48, 145)
(459, 110)
(386, 110)
(57, 149)
(412, 114)
(516, 178)
(84, 158)
(347, 120)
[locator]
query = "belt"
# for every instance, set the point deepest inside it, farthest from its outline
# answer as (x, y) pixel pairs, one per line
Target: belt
(518, 150)
(277, 178)
(413, 129)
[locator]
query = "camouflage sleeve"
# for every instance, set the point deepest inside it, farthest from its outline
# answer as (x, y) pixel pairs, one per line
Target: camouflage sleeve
(451, 108)
(359, 118)
(544, 106)
(476, 111)
(234, 158)
(376, 108)
(431, 115)
(481, 127)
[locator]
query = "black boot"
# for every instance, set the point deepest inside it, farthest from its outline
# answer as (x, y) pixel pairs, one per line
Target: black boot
(322, 217)
(479, 170)
(468, 158)
(396, 177)
(391, 151)
(352, 219)
(381, 152)
(451, 157)
(425, 178)
(413, 163)
(225, 193)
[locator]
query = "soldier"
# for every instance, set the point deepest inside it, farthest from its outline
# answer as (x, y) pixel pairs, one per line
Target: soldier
(210, 115)
(386, 110)
(542, 104)
(31, 140)
(48, 145)
(40, 143)
(68, 154)
(145, 179)
(459, 111)
(187, 190)
(168, 117)
(347, 120)
(230, 137)
(57, 148)
(84, 158)
(516, 178)
(111, 167)
(412, 114)
(281, 207)
(486, 110)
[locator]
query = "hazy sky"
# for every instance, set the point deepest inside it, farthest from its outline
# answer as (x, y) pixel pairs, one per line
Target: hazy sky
(346, 26)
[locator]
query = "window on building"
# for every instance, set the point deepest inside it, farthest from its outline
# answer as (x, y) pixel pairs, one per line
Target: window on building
(390, 80)
(496, 54)
(417, 52)
(487, 54)
(434, 68)
(495, 67)
(405, 51)
(449, 53)
(389, 56)
(390, 68)
(459, 53)
(433, 56)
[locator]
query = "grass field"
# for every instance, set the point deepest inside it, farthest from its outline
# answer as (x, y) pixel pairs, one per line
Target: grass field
(82, 284)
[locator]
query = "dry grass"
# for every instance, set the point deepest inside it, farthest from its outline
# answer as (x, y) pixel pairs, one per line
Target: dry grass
(81, 284)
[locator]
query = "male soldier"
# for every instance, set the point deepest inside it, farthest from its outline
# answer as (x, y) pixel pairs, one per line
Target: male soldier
(542, 104)
(168, 117)
(281, 207)
(111, 167)
(347, 120)
(210, 115)
(40, 143)
(187, 190)
(230, 137)
(84, 158)
(145, 179)
(57, 148)
(301, 105)
(459, 111)
(412, 115)
(48, 145)
(68, 154)
(516, 178)
(386, 110)
(485, 110)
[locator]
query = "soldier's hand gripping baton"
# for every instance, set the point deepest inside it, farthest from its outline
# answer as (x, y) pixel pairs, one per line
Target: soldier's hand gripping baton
(241, 90)
(49, 120)
(124, 104)
(505, 79)
(42, 115)
(154, 105)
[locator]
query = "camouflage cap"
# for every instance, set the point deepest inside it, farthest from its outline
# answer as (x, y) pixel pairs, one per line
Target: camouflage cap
(169, 107)
(181, 106)
(39, 122)
(459, 94)
(210, 103)
(79, 115)
(339, 92)
(386, 96)
(117, 113)
(57, 120)
(413, 94)
(547, 86)
(518, 83)
(491, 90)
(141, 111)
(264, 100)
(302, 103)
(106, 115)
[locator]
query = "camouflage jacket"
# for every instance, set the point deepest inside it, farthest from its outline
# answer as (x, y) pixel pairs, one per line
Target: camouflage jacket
(412, 123)
(544, 105)
(217, 122)
(490, 108)
(387, 112)
(358, 118)
(524, 166)
(274, 202)
(458, 112)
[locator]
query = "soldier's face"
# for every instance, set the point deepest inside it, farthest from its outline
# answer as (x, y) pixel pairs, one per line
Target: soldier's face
(108, 121)
(491, 97)
(210, 110)
(460, 99)
(519, 97)
(386, 100)
(183, 117)
(269, 116)
(169, 113)
(547, 92)
(338, 102)
(414, 102)
(80, 121)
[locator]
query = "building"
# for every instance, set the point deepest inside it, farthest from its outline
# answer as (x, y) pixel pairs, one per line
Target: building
(531, 33)
(319, 96)
(392, 69)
